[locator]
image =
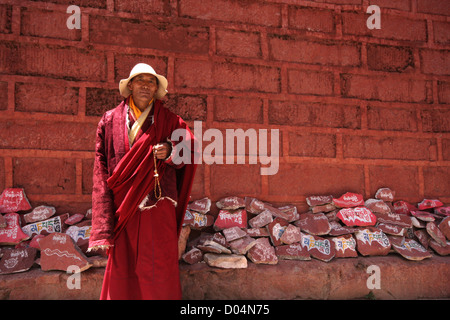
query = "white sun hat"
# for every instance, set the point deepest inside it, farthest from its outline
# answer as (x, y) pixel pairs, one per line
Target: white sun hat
(141, 68)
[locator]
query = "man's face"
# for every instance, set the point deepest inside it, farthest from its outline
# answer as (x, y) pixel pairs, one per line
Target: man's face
(143, 87)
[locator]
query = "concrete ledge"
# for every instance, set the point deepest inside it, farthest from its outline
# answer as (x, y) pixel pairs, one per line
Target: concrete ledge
(338, 279)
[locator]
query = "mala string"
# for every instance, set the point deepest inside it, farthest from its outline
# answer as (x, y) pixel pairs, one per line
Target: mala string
(156, 175)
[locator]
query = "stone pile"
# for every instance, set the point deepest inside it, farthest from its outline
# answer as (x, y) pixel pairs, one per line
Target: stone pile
(41, 237)
(349, 226)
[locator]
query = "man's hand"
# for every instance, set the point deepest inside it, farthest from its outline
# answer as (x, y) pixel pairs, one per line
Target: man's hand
(162, 150)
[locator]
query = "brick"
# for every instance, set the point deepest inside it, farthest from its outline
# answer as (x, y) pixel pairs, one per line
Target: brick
(321, 178)
(232, 76)
(446, 149)
(82, 3)
(52, 61)
(436, 120)
(310, 82)
(311, 19)
(388, 58)
(382, 88)
(87, 171)
(435, 61)
(149, 34)
(444, 92)
(434, 7)
(292, 49)
(45, 175)
(312, 145)
(123, 63)
(235, 179)
(436, 182)
(47, 135)
(198, 186)
(161, 7)
(395, 119)
(48, 24)
(404, 180)
(4, 95)
(5, 18)
(440, 30)
(39, 97)
(367, 147)
(403, 5)
(340, 1)
(188, 107)
(238, 43)
(251, 12)
(392, 27)
(238, 109)
(99, 100)
(314, 114)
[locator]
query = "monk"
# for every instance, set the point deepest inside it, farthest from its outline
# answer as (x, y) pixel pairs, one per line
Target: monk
(140, 193)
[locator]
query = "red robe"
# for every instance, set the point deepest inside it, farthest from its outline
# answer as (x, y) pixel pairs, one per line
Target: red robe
(141, 232)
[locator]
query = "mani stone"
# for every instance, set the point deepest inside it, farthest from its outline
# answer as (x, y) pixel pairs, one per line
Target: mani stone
(47, 226)
(423, 237)
(12, 234)
(337, 229)
(188, 218)
(276, 229)
(385, 194)
(228, 218)
(74, 219)
(233, 233)
(349, 200)
(262, 252)
(429, 203)
(410, 249)
(314, 223)
(257, 232)
(80, 235)
(242, 245)
(17, 260)
(319, 248)
(229, 261)
(345, 246)
(423, 216)
(230, 203)
(291, 235)
(290, 212)
(441, 250)
(436, 233)
(193, 256)
(201, 221)
(392, 229)
(377, 206)
(313, 201)
(261, 220)
(3, 223)
(59, 251)
(359, 216)
(213, 247)
(201, 206)
(444, 226)
(14, 200)
(39, 213)
(323, 208)
(401, 220)
(442, 211)
(372, 242)
(403, 207)
(293, 251)
(253, 205)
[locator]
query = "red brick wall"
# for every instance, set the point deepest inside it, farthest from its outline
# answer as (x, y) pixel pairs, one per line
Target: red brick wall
(357, 109)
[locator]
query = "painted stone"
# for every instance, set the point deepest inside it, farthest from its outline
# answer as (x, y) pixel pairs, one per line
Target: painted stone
(253, 205)
(439, 249)
(262, 252)
(228, 218)
(345, 246)
(319, 248)
(385, 194)
(261, 220)
(418, 223)
(403, 207)
(423, 237)
(230, 203)
(213, 247)
(444, 226)
(337, 229)
(3, 223)
(429, 203)
(276, 229)
(14, 200)
(392, 229)
(201, 205)
(291, 235)
(293, 251)
(233, 233)
(17, 260)
(394, 218)
(442, 211)
(59, 251)
(188, 218)
(194, 255)
(372, 242)
(349, 200)
(323, 208)
(39, 213)
(257, 232)
(316, 224)
(290, 212)
(201, 221)
(80, 234)
(318, 200)
(377, 206)
(34, 243)
(436, 233)
(13, 233)
(242, 245)
(47, 226)
(74, 219)
(277, 212)
(359, 216)
(229, 261)
(410, 249)
(423, 215)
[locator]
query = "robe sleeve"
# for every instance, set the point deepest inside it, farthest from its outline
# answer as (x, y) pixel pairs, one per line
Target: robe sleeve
(103, 209)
